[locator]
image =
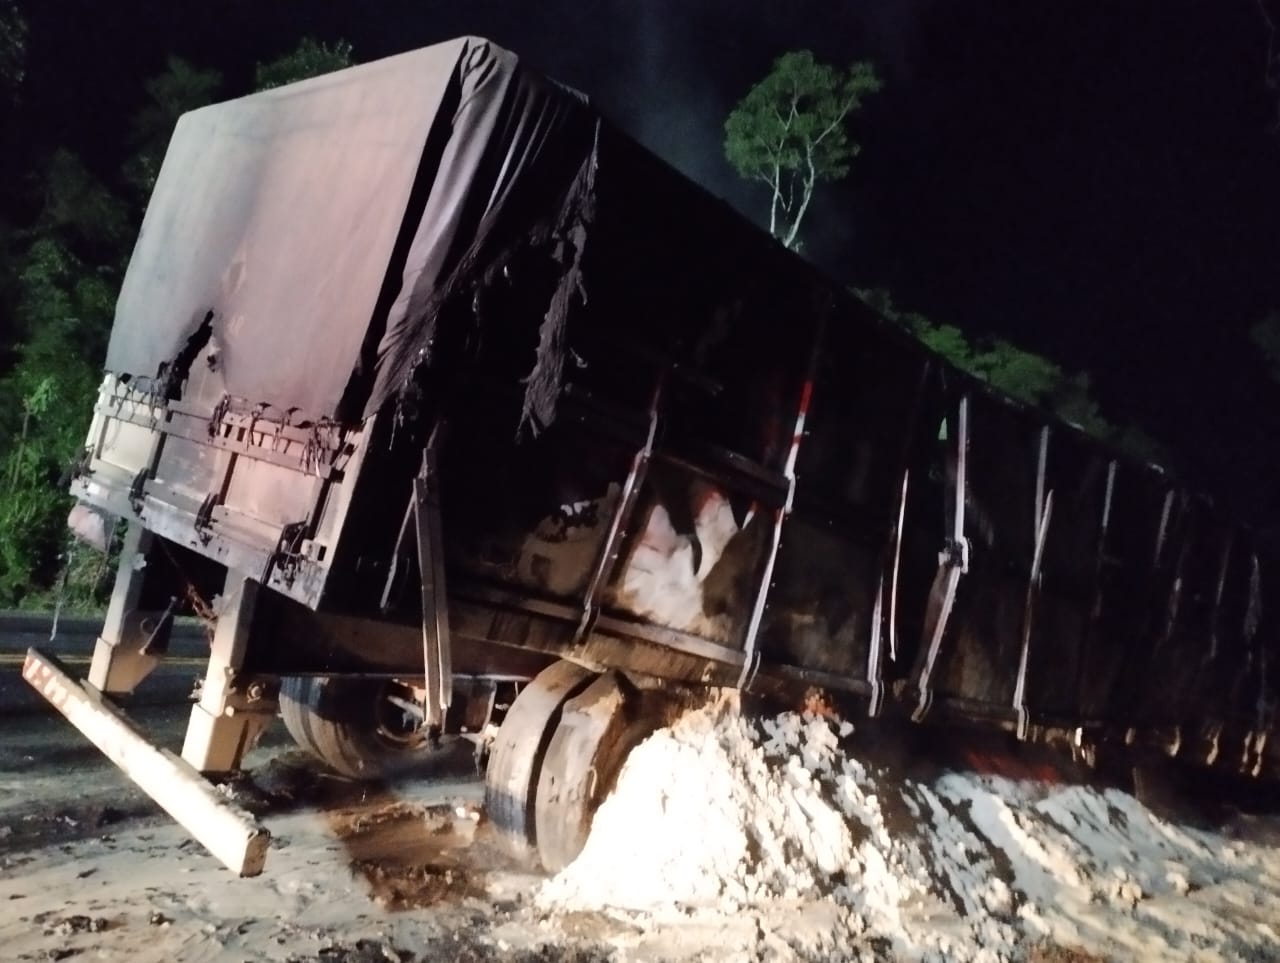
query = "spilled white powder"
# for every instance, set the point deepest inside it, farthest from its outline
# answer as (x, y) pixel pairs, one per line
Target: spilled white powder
(717, 816)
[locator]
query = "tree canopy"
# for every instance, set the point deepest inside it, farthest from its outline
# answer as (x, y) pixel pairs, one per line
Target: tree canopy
(1028, 377)
(311, 58)
(790, 132)
(59, 278)
(13, 47)
(1265, 336)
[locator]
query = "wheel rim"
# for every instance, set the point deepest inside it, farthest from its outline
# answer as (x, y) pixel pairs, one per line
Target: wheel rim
(393, 723)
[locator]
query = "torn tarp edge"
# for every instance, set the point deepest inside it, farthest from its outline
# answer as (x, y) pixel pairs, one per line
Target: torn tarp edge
(567, 229)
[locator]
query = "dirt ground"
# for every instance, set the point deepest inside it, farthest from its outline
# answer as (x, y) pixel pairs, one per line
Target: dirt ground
(90, 869)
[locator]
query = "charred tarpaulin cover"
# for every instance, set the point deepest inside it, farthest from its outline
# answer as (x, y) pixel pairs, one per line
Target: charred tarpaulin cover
(312, 232)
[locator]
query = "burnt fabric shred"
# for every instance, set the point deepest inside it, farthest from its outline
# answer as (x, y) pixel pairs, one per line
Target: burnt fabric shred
(172, 375)
(546, 148)
(542, 387)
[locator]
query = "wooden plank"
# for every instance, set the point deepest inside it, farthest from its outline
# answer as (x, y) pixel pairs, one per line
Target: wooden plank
(231, 834)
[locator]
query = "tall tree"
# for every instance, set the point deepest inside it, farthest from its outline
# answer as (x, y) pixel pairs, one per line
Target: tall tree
(59, 279)
(1265, 336)
(310, 58)
(66, 287)
(182, 87)
(1028, 377)
(790, 132)
(13, 47)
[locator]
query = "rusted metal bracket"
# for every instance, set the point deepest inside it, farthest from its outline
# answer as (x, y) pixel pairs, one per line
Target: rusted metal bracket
(203, 522)
(138, 488)
(285, 556)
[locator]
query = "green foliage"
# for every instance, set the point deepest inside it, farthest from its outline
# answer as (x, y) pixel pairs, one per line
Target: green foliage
(310, 58)
(77, 202)
(83, 586)
(62, 305)
(59, 279)
(946, 340)
(182, 87)
(790, 132)
(1022, 375)
(13, 47)
(1017, 373)
(1265, 336)
(65, 309)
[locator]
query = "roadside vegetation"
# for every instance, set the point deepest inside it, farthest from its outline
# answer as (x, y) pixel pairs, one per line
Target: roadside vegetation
(60, 274)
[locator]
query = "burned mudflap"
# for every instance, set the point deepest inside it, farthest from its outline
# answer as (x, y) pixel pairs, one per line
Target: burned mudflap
(228, 719)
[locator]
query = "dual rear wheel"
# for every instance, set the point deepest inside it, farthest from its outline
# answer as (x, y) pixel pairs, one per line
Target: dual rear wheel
(358, 727)
(555, 758)
(558, 755)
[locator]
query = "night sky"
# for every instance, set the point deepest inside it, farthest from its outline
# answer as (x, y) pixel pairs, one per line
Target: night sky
(1097, 181)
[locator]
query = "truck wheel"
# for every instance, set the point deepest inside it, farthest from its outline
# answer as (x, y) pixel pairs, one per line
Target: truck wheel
(353, 726)
(515, 759)
(597, 729)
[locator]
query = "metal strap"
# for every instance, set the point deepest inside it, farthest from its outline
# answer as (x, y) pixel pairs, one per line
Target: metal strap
(436, 653)
(953, 561)
(897, 565)
(874, 675)
(609, 551)
(752, 662)
(1028, 617)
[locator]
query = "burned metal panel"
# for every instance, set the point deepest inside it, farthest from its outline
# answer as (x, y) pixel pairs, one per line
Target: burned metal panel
(306, 642)
(534, 515)
(1230, 643)
(980, 651)
(926, 530)
(693, 558)
(1134, 585)
(1176, 679)
(1063, 633)
(830, 601)
(256, 495)
(1256, 692)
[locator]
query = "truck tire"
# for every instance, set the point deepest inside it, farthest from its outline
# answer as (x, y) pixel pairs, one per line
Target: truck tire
(515, 759)
(351, 726)
(596, 732)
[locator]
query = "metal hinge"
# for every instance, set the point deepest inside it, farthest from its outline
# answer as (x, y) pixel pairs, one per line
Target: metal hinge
(287, 554)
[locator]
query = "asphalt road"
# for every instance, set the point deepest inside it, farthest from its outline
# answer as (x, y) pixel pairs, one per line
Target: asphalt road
(169, 684)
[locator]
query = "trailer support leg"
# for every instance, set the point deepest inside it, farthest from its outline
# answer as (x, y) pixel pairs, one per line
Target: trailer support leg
(231, 714)
(123, 657)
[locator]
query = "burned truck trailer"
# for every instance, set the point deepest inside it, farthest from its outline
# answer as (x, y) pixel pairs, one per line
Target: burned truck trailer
(428, 387)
